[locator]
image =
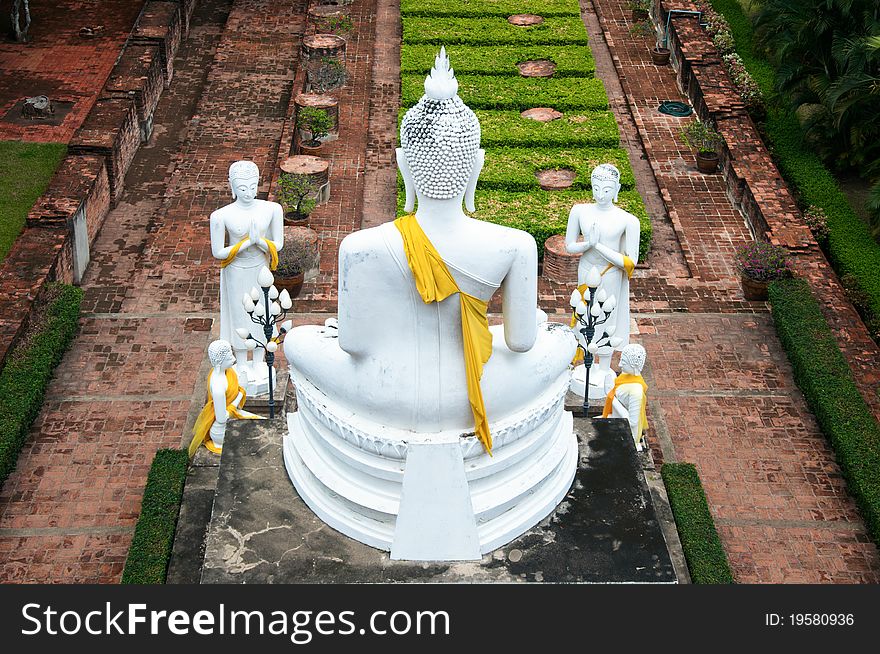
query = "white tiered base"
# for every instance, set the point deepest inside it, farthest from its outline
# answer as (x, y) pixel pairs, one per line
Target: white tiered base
(432, 497)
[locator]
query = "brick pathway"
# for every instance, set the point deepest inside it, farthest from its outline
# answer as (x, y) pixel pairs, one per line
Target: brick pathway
(60, 63)
(132, 377)
(722, 394)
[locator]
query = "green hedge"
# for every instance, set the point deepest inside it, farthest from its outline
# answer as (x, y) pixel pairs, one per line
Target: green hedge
(596, 129)
(516, 93)
(480, 8)
(545, 213)
(826, 380)
(705, 556)
(492, 31)
(851, 247)
(28, 370)
(150, 550)
(25, 172)
(513, 169)
(498, 60)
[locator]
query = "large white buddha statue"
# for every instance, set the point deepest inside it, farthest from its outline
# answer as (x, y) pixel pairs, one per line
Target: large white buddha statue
(611, 245)
(419, 429)
(245, 236)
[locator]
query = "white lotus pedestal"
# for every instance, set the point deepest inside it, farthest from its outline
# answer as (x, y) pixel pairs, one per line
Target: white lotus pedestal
(430, 497)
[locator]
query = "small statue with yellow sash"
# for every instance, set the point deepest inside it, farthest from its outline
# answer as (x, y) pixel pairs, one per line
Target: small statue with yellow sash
(627, 396)
(225, 399)
(245, 236)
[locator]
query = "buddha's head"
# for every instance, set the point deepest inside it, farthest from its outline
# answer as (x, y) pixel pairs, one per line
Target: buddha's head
(605, 183)
(440, 155)
(244, 178)
(632, 359)
(220, 354)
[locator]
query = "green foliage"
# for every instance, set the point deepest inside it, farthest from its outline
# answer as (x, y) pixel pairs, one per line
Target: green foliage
(851, 248)
(484, 8)
(517, 93)
(493, 31)
(763, 261)
(823, 375)
(28, 370)
(545, 213)
(701, 137)
(293, 191)
(514, 169)
(596, 129)
(150, 550)
(315, 121)
(25, 171)
(705, 556)
(499, 60)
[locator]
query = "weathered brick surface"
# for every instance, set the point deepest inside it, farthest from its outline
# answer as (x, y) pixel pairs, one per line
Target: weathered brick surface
(160, 24)
(60, 63)
(111, 130)
(139, 74)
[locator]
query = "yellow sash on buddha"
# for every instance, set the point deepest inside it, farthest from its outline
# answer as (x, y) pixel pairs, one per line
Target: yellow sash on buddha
(435, 283)
(629, 267)
(206, 417)
(643, 415)
(273, 254)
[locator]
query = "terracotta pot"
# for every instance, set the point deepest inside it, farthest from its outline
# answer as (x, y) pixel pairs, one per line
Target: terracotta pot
(707, 162)
(306, 148)
(292, 284)
(295, 219)
(660, 56)
(639, 15)
(753, 289)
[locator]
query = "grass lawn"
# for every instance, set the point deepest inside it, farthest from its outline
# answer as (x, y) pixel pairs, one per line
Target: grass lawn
(25, 171)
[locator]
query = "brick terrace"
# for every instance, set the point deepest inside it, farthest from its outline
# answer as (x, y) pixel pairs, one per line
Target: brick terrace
(60, 63)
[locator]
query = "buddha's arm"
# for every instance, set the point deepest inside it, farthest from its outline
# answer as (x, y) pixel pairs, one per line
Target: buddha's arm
(519, 297)
(352, 338)
(276, 227)
(631, 407)
(572, 231)
(631, 246)
(218, 394)
(218, 238)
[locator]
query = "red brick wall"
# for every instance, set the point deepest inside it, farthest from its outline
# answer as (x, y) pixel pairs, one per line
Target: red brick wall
(160, 24)
(138, 74)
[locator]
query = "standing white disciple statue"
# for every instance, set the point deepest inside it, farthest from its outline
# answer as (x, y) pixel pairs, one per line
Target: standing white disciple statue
(245, 236)
(420, 429)
(627, 395)
(611, 244)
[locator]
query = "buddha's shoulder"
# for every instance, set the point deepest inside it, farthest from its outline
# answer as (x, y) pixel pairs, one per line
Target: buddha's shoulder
(502, 233)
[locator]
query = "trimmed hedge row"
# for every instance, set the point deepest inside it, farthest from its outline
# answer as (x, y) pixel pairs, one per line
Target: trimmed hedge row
(498, 60)
(826, 381)
(544, 213)
(28, 370)
(596, 129)
(851, 247)
(493, 31)
(516, 93)
(479, 8)
(705, 556)
(150, 550)
(514, 169)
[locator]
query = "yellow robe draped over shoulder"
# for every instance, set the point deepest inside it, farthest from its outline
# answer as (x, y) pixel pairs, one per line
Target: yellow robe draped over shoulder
(206, 417)
(434, 284)
(273, 253)
(622, 379)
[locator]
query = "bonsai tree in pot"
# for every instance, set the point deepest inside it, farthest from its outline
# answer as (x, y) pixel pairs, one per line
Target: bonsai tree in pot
(293, 194)
(290, 272)
(704, 140)
(317, 124)
(327, 75)
(640, 9)
(759, 264)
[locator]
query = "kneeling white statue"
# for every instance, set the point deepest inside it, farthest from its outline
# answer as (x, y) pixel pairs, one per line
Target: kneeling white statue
(627, 395)
(419, 429)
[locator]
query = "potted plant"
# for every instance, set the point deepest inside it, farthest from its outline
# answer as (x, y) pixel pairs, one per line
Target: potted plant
(326, 75)
(704, 140)
(640, 9)
(660, 55)
(293, 194)
(759, 264)
(290, 272)
(317, 124)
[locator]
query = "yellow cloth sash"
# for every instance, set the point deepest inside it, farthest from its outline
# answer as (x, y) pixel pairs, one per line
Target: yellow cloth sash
(643, 415)
(206, 417)
(629, 266)
(435, 283)
(273, 253)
